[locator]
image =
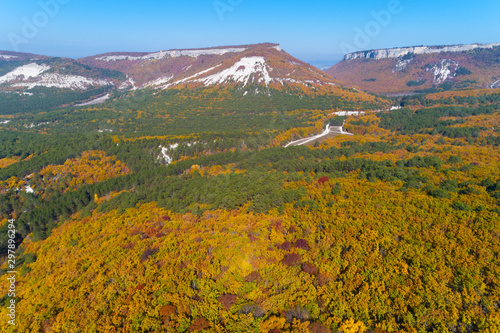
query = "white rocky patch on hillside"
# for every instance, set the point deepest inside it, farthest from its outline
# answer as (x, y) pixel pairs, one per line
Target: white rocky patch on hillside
(172, 54)
(401, 65)
(161, 80)
(242, 71)
(5, 56)
(443, 70)
(118, 58)
(189, 78)
(129, 83)
(348, 113)
(95, 101)
(55, 80)
(165, 151)
(28, 189)
(24, 72)
(33, 125)
(288, 80)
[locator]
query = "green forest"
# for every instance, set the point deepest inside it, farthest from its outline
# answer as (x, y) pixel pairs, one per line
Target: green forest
(395, 228)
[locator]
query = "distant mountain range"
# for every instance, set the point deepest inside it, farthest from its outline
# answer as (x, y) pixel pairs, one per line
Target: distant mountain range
(265, 64)
(385, 71)
(421, 68)
(26, 80)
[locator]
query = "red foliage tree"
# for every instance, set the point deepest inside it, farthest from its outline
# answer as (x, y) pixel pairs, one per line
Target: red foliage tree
(227, 300)
(292, 259)
(167, 311)
(252, 277)
(199, 325)
(148, 252)
(319, 328)
(301, 244)
(286, 246)
(323, 180)
(310, 269)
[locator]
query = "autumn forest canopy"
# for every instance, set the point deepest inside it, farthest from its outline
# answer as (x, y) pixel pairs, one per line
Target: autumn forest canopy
(180, 210)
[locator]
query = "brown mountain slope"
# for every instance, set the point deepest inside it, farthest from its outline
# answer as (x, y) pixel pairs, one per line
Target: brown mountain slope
(20, 72)
(407, 70)
(264, 63)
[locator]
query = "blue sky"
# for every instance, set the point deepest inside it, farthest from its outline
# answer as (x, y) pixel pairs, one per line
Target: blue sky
(309, 30)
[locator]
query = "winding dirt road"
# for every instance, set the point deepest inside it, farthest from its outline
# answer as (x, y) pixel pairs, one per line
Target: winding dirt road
(329, 130)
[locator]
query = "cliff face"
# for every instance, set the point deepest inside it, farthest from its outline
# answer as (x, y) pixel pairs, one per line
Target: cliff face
(401, 51)
(421, 68)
